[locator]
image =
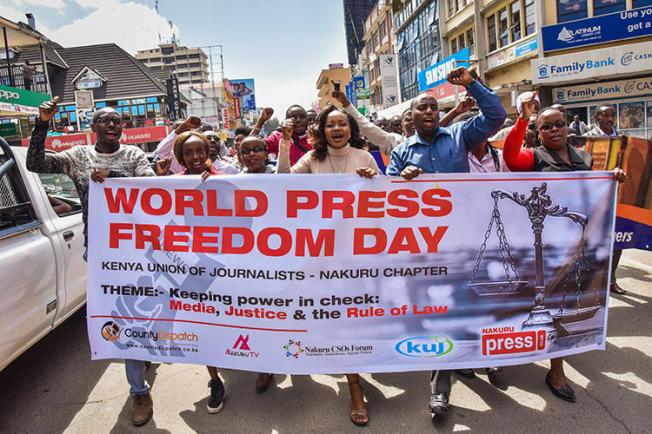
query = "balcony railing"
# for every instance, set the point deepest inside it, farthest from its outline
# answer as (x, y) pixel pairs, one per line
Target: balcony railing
(38, 84)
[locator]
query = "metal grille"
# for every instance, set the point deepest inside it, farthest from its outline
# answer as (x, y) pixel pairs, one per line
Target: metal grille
(7, 193)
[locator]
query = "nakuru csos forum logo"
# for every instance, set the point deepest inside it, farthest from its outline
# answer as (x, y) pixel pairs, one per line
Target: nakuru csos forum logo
(425, 346)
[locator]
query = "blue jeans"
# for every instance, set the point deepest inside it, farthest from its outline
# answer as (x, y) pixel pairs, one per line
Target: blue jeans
(136, 377)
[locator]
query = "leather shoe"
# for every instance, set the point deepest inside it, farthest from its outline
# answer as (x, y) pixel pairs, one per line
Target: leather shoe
(616, 288)
(143, 409)
(466, 373)
(439, 403)
(263, 381)
(564, 392)
(496, 378)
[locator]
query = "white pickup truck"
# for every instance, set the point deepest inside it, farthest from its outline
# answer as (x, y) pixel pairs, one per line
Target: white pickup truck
(42, 272)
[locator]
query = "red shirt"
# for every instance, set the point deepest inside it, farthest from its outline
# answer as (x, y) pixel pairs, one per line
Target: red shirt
(274, 139)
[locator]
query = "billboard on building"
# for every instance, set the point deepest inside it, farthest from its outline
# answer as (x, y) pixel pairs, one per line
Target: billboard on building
(389, 79)
(244, 90)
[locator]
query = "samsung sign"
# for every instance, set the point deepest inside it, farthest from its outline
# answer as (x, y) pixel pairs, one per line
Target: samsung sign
(608, 91)
(591, 64)
(630, 24)
(436, 74)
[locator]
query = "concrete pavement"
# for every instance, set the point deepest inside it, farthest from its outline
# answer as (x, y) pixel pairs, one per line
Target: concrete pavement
(55, 387)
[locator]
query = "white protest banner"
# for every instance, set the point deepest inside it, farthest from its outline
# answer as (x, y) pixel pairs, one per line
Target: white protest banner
(329, 274)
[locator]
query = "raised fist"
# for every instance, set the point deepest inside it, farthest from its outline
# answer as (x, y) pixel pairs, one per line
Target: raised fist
(460, 77)
(47, 110)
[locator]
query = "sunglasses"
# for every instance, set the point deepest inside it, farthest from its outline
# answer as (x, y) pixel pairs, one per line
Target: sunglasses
(110, 120)
(547, 127)
(247, 151)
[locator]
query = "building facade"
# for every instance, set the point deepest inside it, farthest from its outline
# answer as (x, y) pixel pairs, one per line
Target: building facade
(379, 40)
(355, 14)
(418, 42)
(595, 53)
(325, 85)
(189, 64)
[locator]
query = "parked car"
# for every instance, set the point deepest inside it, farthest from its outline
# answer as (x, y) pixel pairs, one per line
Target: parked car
(42, 272)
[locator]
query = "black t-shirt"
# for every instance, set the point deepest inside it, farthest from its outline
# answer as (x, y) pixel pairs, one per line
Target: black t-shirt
(548, 161)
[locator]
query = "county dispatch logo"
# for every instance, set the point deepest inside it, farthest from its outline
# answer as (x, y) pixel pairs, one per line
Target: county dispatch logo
(293, 349)
(241, 348)
(110, 331)
(498, 341)
(425, 346)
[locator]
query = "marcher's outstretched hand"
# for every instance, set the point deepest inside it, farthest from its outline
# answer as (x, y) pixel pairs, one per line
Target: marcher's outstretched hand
(288, 128)
(411, 172)
(341, 98)
(460, 77)
(366, 172)
(529, 106)
(98, 175)
(266, 114)
(189, 124)
(48, 109)
(163, 166)
(620, 175)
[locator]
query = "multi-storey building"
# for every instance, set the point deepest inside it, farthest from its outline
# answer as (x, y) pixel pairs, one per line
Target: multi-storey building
(379, 39)
(598, 52)
(325, 87)
(502, 39)
(355, 14)
(190, 65)
(417, 42)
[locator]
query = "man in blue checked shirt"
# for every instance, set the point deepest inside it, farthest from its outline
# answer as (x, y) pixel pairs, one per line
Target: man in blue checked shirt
(434, 149)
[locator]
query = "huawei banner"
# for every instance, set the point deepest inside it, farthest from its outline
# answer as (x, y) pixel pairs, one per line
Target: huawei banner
(329, 274)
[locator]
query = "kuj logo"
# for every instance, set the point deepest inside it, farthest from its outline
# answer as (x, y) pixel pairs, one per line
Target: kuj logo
(242, 343)
(565, 35)
(111, 331)
(561, 95)
(543, 71)
(425, 346)
(627, 58)
(293, 349)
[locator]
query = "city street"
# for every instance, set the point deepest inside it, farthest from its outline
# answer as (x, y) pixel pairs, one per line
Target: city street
(54, 387)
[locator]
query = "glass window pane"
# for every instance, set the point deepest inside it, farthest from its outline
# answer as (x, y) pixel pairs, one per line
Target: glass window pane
(568, 10)
(503, 37)
(530, 25)
(515, 10)
(641, 3)
(491, 30)
(602, 7)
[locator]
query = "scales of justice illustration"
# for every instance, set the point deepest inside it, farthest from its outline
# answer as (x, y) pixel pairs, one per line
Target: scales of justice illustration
(538, 206)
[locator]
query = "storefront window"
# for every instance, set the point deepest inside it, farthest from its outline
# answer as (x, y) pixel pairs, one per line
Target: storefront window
(515, 19)
(530, 23)
(602, 7)
(569, 10)
(502, 28)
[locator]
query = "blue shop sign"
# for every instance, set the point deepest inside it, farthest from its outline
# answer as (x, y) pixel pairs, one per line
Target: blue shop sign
(525, 48)
(630, 24)
(436, 74)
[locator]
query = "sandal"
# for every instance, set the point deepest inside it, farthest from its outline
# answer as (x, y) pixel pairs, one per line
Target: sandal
(359, 417)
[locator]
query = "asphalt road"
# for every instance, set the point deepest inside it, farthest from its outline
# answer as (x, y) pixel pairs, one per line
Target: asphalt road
(55, 387)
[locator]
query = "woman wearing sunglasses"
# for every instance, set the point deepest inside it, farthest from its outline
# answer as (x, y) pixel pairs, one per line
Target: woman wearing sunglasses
(554, 155)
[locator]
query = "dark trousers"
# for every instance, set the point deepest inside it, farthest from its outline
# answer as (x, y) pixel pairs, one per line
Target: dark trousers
(440, 381)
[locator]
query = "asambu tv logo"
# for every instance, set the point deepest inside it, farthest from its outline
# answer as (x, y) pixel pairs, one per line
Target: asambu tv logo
(504, 340)
(241, 348)
(425, 346)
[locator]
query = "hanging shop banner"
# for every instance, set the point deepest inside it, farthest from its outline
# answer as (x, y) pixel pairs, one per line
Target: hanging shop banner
(608, 90)
(136, 136)
(635, 23)
(513, 53)
(304, 274)
(389, 75)
(634, 222)
(436, 74)
(62, 142)
(604, 62)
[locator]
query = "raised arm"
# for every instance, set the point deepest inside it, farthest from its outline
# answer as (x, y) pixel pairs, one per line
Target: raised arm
(37, 160)
(517, 158)
(492, 113)
(283, 158)
(376, 135)
(463, 106)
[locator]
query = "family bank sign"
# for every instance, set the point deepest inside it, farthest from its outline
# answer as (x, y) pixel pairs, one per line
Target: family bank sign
(630, 24)
(593, 64)
(607, 90)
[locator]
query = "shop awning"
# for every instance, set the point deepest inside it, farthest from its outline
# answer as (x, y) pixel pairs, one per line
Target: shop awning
(16, 102)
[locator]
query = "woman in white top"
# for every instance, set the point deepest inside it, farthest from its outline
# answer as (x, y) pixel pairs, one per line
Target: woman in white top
(337, 147)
